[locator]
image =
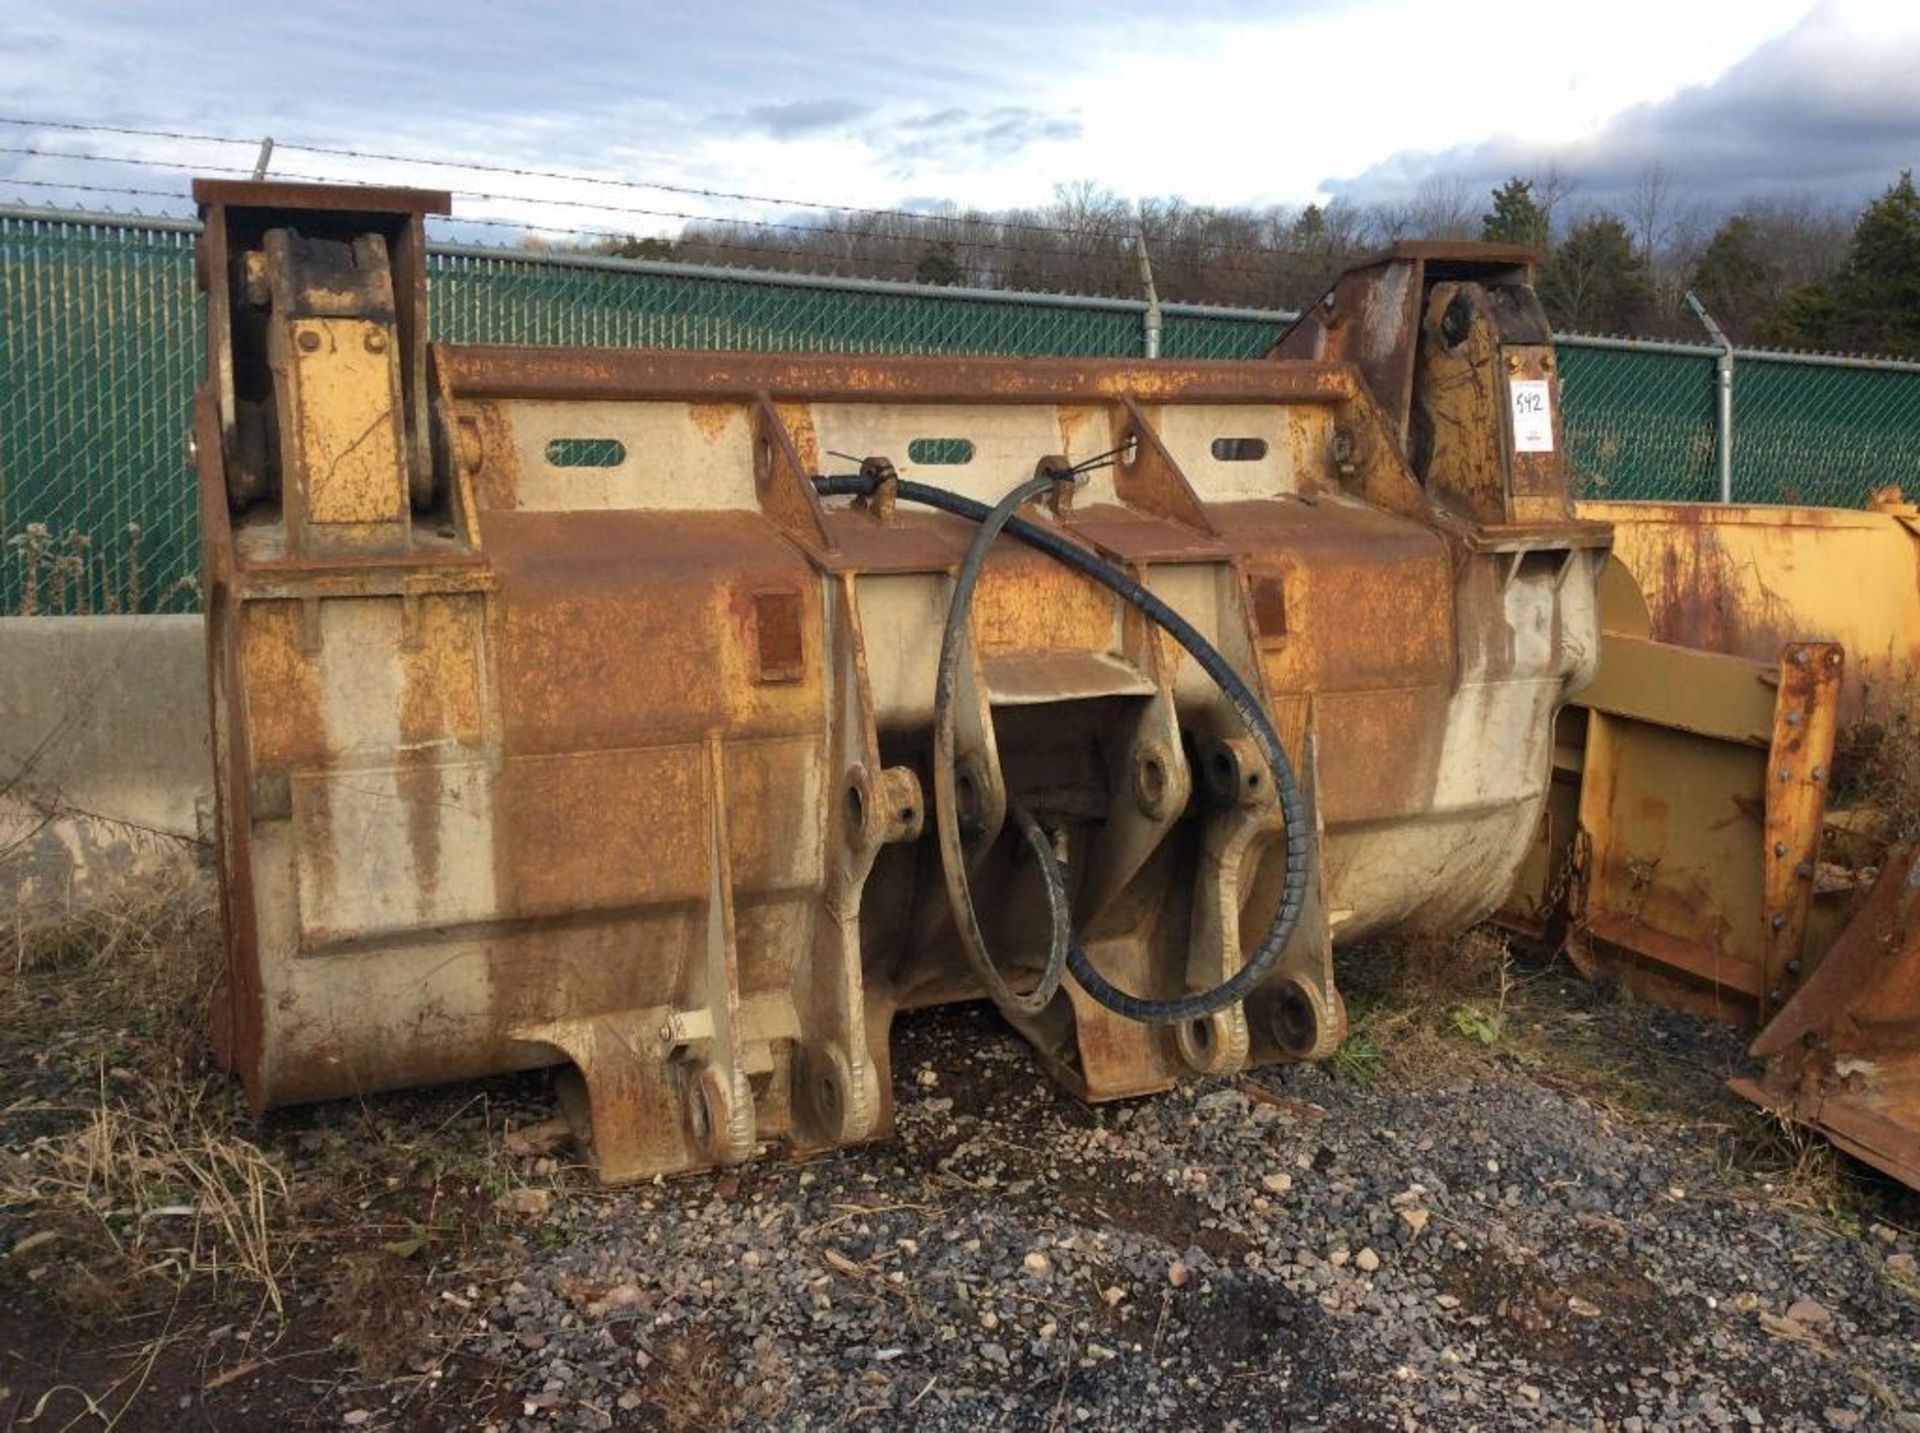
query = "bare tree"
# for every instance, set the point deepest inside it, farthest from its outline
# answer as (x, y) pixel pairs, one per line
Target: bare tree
(1444, 208)
(1647, 210)
(1552, 191)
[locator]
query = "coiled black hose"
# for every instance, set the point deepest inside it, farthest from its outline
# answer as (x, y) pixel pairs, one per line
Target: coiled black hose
(1299, 847)
(953, 861)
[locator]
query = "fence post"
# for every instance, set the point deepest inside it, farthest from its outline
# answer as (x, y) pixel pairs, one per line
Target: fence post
(1723, 383)
(1151, 319)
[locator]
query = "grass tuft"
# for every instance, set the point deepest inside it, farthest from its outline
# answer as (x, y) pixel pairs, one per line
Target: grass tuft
(126, 1171)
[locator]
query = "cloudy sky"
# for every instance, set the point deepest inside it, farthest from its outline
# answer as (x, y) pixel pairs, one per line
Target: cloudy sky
(988, 102)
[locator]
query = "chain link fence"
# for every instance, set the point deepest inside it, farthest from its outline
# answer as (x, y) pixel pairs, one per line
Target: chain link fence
(99, 354)
(1807, 428)
(100, 350)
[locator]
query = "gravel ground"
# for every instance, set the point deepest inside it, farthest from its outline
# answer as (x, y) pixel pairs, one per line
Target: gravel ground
(1475, 1249)
(1564, 1222)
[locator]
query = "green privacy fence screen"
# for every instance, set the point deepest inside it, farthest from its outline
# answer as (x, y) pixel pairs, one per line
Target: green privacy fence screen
(100, 352)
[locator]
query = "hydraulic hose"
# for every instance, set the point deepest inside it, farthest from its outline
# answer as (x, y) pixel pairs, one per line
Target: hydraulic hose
(953, 861)
(1298, 843)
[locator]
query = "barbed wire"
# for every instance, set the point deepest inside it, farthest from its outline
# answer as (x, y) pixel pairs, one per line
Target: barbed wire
(531, 231)
(1119, 242)
(481, 167)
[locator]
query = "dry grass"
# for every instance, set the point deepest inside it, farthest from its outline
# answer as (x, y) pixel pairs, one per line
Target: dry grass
(140, 968)
(1424, 1002)
(57, 572)
(1433, 1006)
(697, 1384)
(1799, 1169)
(1885, 765)
(127, 1167)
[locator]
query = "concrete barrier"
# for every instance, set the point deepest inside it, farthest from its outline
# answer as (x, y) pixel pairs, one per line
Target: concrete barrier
(105, 773)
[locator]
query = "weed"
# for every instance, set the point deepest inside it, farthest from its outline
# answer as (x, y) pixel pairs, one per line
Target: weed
(1876, 777)
(1476, 1023)
(1358, 1058)
(61, 572)
(380, 1325)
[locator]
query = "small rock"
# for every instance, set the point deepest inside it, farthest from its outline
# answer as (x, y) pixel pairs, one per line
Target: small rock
(1222, 1102)
(1416, 1219)
(1178, 1273)
(355, 1418)
(1037, 1265)
(543, 1138)
(1276, 1183)
(1806, 1311)
(1112, 1295)
(1366, 1261)
(620, 1296)
(994, 1354)
(928, 1079)
(534, 1203)
(1586, 1308)
(1842, 1418)
(1900, 1265)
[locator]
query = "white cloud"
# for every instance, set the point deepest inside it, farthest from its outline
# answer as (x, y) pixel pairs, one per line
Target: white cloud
(990, 103)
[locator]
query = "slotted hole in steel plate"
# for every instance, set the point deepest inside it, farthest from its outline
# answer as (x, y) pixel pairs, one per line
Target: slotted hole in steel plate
(940, 452)
(586, 452)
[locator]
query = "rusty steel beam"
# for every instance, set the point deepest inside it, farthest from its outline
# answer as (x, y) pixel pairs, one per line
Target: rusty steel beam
(585, 375)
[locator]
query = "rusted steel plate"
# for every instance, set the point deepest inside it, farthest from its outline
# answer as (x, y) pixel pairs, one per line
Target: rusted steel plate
(1748, 580)
(1844, 1054)
(288, 195)
(1703, 779)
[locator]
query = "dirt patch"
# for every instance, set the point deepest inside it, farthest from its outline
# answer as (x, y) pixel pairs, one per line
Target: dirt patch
(1567, 1321)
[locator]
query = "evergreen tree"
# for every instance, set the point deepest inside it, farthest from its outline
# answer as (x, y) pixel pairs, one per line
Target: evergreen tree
(638, 248)
(1516, 217)
(1873, 304)
(938, 265)
(1597, 282)
(1736, 279)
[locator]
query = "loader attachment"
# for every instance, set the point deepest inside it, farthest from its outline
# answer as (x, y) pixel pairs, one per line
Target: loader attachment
(1693, 786)
(1708, 839)
(599, 708)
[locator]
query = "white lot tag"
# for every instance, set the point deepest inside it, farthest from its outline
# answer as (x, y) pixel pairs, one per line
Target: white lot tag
(1532, 416)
